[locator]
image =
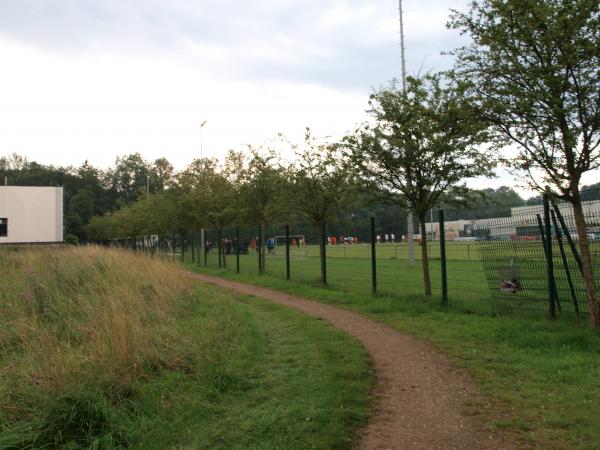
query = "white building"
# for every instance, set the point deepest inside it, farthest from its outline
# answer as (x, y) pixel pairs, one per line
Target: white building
(31, 214)
(522, 220)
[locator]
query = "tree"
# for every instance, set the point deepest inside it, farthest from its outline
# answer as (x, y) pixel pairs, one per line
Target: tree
(160, 174)
(321, 184)
(534, 66)
(422, 144)
(259, 184)
(128, 178)
(210, 198)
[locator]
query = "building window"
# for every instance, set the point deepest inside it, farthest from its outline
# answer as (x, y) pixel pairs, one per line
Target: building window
(3, 227)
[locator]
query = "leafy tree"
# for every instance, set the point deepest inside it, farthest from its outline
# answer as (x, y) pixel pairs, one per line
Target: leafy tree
(128, 178)
(161, 174)
(422, 145)
(79, 212)
(321, 184)
(534, 66)
(260, 182)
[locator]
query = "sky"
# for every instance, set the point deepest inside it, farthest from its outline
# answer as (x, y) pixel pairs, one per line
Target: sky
(95, 79)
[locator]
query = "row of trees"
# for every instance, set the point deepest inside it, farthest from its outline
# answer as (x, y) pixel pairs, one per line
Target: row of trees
(253, 187)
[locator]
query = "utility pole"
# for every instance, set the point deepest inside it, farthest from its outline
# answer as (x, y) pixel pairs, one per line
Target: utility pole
(409, 221)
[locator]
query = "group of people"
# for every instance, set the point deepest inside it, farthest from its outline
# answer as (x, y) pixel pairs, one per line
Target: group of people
(333, 240)
(387, 237)
(229, 246)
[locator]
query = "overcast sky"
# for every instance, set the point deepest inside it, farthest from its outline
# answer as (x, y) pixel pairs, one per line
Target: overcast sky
(93, 79)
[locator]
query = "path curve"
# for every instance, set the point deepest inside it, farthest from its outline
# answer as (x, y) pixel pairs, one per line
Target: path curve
(420, 397)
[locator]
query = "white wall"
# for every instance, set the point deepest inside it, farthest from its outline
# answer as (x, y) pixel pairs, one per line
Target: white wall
(35, 214)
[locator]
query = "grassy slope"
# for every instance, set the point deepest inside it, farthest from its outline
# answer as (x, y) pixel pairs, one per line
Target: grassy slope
(542, 377)
(105, 349)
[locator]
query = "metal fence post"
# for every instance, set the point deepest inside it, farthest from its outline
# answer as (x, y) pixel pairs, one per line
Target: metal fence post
(443, 259)
(205, 247)
(565, 262)
(220, 245)
(193, 243)
(198, 247)
(568, 236)
(287, 252)
(324, 255)
(552, 294)
(259, 244)
(237, 250)
(373, 257)
(183, 240)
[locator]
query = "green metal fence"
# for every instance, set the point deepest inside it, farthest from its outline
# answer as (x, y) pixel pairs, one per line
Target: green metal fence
(527, 261)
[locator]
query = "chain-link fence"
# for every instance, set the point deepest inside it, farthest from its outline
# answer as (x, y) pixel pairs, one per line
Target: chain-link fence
(525, 259)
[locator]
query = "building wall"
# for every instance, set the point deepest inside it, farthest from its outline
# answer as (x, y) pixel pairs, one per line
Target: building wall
(590, 208)
(35, 214)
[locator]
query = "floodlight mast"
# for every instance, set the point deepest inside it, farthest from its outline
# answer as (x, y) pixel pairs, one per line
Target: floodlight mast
(202, 237)
(201, 140)
(409, 221)
(402, 46)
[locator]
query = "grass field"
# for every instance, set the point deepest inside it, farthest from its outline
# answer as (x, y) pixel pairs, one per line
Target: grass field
(541, 377)
(107, 349)
(475, 270)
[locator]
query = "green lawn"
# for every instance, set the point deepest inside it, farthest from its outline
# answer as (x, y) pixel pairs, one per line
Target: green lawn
(541, 377)
(288, 381)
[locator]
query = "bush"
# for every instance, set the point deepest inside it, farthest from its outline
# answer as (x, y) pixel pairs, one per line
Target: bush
(71, 239)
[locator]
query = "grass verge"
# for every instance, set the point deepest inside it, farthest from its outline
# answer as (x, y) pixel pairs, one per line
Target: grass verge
(542, 377)
(108, 349)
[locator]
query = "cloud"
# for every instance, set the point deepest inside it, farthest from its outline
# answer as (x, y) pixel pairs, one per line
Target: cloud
(64, 110)
(351, 43)
(93, 79)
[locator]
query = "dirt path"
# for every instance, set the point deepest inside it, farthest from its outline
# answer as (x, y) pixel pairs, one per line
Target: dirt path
(420, 398)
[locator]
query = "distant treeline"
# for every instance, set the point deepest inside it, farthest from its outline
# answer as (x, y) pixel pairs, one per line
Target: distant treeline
(137, 197)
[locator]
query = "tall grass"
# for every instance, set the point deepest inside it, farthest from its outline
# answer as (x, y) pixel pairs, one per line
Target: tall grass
(77, 328)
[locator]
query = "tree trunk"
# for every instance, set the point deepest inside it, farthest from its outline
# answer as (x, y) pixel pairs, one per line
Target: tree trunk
(586, 260)
(321, 251)
(425, 257)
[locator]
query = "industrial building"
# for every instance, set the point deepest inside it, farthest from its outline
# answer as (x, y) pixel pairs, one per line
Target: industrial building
(521, 223)
(31, 215)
